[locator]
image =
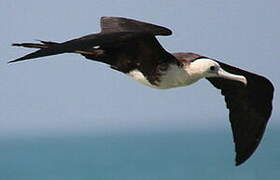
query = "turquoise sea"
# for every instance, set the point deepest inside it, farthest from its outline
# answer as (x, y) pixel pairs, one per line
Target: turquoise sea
(148, 155)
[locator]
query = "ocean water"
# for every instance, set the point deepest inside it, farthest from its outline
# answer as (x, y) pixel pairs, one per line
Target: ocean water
(175, 155)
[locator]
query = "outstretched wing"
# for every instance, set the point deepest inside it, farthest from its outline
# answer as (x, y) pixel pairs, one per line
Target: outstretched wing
(116, 33)
(249, 109)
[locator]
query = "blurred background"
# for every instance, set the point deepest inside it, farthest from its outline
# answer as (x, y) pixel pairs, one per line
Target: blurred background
(63, 117)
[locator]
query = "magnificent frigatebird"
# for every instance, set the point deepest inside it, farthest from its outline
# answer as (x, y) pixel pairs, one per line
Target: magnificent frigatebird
(130, 46)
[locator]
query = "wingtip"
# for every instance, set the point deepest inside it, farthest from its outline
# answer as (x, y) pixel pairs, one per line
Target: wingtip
(241, 160)
(238, 163)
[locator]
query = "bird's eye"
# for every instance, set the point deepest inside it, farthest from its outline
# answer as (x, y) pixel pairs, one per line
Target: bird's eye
(212, 68)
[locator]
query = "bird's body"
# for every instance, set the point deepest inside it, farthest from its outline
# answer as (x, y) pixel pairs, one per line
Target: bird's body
(130, 46)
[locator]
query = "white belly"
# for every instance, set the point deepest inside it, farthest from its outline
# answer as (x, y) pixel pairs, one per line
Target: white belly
(174, 77)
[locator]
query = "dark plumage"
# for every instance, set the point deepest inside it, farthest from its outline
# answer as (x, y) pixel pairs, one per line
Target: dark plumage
(130, 46)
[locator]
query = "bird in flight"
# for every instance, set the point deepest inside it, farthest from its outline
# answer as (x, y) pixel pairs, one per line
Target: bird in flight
(130, 46)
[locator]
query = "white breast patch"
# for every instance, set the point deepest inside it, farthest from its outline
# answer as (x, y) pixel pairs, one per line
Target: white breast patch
(138, 76)
(174, 76)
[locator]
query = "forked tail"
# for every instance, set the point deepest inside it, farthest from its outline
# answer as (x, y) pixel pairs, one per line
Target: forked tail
(46, 48)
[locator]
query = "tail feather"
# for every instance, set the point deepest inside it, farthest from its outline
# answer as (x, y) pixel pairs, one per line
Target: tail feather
(48, 43)
(43, 44)
(30, 45)
(39, 53)
(46, 48)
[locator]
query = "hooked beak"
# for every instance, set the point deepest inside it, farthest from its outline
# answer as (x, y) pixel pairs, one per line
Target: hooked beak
(223, 74)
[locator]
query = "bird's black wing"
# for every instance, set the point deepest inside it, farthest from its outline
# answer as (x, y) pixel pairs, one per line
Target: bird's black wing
(249, 109)
(123, 43)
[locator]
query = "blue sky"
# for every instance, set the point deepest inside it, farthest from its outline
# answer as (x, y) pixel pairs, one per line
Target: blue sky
(67, 94)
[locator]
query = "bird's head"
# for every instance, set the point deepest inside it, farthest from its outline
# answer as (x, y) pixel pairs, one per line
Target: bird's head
(208, 68)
